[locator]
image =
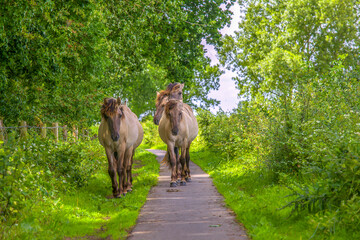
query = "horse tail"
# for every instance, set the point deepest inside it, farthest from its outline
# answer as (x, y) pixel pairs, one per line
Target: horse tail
(166, 160)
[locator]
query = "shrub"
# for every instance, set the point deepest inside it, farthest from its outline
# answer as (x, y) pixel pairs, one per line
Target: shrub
(37, 169)
(151, 134)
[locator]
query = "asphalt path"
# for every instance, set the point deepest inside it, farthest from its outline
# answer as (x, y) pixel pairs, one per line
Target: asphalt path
(192, 212)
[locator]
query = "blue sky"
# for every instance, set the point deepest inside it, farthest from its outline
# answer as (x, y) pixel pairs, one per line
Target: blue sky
(227, 93)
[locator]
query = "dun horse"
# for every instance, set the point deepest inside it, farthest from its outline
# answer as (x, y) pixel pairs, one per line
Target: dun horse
(120, 133)
(177, 128)
(173, 91)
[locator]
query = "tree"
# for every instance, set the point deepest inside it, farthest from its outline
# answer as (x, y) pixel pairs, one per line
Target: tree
(155, 43)
(52, 56)
(58, 59)
(281, 48)
(279, 42)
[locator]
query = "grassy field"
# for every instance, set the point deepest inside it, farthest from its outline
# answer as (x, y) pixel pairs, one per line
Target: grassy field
(257, 202)
(86, 211)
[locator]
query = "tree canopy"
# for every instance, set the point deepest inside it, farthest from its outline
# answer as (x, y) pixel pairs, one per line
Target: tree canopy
(58, 59)
(279, 43)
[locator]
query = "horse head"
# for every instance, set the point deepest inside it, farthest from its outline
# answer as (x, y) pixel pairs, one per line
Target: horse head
(112, 112)
(173, 91)
(173, 111)
(176, 91)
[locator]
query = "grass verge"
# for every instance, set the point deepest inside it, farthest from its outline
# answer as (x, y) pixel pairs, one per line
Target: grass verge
(250, 192)
(86, 212)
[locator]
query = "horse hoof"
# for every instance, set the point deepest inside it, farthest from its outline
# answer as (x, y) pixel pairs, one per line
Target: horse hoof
(182, 183)
(124, 194)
(129, 190)
(173, 184)
(188, 179)
(178, 180)
(117, 196)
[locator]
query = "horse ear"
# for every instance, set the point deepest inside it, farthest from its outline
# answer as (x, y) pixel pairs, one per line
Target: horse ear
(182, 85)
(125, 103)
(105, 101)
(122, 111)
(118, 101)
(157, 94)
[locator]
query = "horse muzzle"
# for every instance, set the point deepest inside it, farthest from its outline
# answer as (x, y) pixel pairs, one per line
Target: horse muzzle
(174, 131)
(115, 137)
(156, 121)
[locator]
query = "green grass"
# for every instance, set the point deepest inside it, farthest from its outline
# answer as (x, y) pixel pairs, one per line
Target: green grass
(86, 211)
(252, 194)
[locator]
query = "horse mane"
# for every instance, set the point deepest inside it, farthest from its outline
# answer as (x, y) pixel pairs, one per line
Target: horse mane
(110, 107)
(160, 97)
(172, 85)
(172, 103)
(165, 93)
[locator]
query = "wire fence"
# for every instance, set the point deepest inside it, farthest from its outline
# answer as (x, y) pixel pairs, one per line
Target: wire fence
(31, 127)
(42, 131)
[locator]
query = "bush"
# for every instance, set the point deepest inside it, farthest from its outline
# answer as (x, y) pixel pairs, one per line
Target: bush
(151, 133)
(37, 169)
(332, 138)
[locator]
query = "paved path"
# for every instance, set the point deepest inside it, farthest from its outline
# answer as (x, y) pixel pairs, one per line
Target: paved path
(192, 212)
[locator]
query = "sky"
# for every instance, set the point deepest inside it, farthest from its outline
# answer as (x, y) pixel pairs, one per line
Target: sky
(227, 93)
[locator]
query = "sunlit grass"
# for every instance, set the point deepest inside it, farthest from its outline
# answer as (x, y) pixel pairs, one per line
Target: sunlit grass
(87, 211)
(257, 201)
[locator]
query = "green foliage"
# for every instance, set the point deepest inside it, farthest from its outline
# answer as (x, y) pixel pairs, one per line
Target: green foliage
(52, 59)
(331, 143)
(249, 192)
(311, 146)
(58, 190)
(235, 135)
(278, 43)
(151, 134)
(58, 59)
(298, 75)
(39, 168)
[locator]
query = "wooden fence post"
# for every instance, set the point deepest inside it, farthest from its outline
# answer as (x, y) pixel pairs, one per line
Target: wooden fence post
(56, 131)
(65, 133)
(23, 130)
(75, 133)
(85, 133)
(2, 138)
(43, 130)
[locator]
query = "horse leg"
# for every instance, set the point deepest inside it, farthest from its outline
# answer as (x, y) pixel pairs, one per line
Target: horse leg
(172, 166)
(112, 170)
(188, 176)
(131, 163)
(178, 170)
(183, 167)
(121, 169)
(127, 166)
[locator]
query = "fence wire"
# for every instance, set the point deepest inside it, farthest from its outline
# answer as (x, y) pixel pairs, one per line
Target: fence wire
(31, 127)
(79, 134)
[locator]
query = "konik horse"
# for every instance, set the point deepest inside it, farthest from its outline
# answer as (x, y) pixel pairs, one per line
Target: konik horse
(173, 91)
(177, 128)
(120, 133)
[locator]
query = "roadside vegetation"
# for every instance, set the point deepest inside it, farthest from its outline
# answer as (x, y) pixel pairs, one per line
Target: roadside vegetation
(60, 190)
(287, 159)
(290, 172)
